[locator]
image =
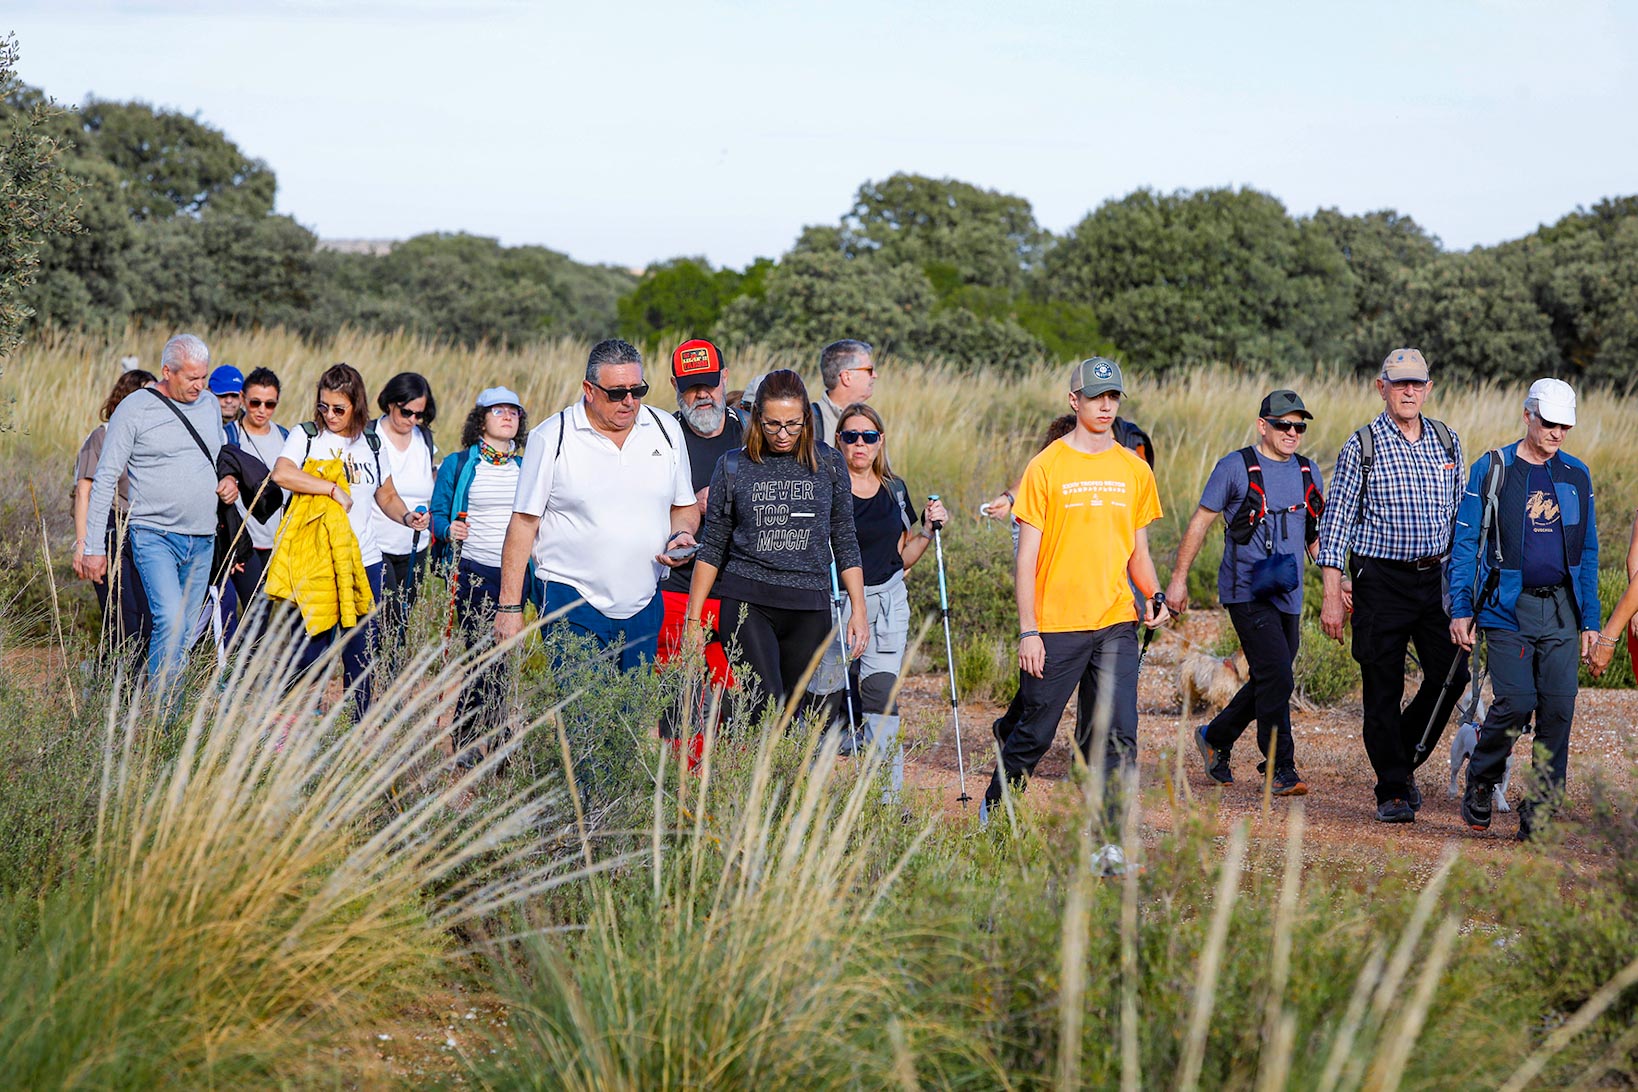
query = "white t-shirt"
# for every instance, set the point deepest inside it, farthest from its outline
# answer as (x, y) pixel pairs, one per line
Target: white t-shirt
(266, 447)
(489, 511)
(411, 474)
(605, 510)
(361, 478)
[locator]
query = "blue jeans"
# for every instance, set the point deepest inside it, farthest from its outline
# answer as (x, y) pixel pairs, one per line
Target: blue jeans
(641, 631)
(357, 651)
(175, 572)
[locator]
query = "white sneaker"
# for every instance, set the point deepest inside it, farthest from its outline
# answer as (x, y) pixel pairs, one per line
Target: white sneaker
(1109, 861)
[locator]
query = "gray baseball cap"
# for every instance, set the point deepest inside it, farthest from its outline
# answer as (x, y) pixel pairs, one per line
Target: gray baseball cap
(1281, 402)
(1096, 376)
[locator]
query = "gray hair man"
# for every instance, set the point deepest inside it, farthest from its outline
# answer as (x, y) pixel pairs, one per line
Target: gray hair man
(848, 370)
(1383, 543)
(166, 439)
(603, 483)
(1524, 573)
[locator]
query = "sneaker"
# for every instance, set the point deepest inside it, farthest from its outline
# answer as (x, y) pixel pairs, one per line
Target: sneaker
(1414, 796)
(1109, 862)
(1396, 810)
(1217, 762)
(1289, 783)
(1476, 805)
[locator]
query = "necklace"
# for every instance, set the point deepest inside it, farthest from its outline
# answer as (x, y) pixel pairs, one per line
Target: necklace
(494, 456)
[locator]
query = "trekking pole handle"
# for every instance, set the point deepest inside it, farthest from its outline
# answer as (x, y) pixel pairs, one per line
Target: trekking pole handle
(930, 498)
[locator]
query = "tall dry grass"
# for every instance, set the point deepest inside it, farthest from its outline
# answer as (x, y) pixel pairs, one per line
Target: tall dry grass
(963, 434)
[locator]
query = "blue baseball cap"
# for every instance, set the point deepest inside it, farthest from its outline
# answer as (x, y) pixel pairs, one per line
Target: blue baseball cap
(499, 396)
(227, 380)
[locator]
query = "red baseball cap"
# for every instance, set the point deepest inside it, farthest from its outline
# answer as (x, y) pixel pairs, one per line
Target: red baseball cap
(696, 363)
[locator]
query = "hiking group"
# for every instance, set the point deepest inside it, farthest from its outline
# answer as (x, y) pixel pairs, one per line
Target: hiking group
(768, 530)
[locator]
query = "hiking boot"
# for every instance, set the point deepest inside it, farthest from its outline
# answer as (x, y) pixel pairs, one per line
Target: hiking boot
(1217, 762)
(1476, 805)
(1397, 810)
(1289, 782)
(1414, 796)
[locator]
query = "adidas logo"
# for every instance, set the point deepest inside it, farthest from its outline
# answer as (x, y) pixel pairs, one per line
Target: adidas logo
(656, 451)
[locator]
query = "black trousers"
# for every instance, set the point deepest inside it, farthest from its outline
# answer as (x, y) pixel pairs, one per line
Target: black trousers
(776, 644)
(239, 593)
(1103, 665)
(1395, 607)
(1269, 638)
(129, 626)
(400, 585)
(1535, 671)
(483, 697)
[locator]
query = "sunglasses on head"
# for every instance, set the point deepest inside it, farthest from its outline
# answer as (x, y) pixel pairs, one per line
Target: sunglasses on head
(262, 403)
(853, 436)
(1299, 427)
(411, 414)
(620, 394)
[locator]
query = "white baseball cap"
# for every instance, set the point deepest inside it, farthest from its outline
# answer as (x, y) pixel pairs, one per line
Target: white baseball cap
(1555, 401)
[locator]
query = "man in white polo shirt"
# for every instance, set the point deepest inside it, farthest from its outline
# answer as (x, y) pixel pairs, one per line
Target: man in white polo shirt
(604, 492)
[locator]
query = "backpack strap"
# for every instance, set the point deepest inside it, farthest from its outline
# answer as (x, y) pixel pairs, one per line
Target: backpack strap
(187, 424)
(901, 495)
(730, 463)
(654, 413)
(373, 438)
(231, 431)
(1367, 455)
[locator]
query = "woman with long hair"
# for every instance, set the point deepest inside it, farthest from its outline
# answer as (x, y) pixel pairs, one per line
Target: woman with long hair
(129, 621)
(339, 432)
(889, 544)
(471, 508)
(779, 515)
(408, 410)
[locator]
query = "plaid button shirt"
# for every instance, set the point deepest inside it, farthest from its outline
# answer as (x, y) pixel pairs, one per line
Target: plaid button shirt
(1410, 507)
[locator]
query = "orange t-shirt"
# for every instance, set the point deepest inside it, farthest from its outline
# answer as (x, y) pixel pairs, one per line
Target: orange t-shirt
(1089, 509)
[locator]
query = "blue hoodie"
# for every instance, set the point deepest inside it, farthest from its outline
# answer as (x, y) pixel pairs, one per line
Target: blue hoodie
(1471, 561)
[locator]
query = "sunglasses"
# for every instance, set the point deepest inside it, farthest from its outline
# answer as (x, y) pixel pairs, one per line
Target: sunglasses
(620, 394)
(334, 411)
(871, 368)
(1550, 425)
(854, 436)
(1299, 427)
(262, 403)
(790, 428)
(411, 414)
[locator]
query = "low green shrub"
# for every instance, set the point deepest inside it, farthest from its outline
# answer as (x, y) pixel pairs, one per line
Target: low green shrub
(1325, 670)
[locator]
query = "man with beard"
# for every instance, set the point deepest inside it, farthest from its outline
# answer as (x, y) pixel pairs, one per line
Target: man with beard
(709, 431)
(1527, 541)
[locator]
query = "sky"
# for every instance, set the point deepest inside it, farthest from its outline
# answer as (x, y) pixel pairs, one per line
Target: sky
(636, 131)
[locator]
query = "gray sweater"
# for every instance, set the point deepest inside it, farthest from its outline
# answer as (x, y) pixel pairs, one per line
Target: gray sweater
(785, 521)
(173, 487)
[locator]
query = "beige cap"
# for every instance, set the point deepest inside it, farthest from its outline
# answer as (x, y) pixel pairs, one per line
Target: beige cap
(1402, 364)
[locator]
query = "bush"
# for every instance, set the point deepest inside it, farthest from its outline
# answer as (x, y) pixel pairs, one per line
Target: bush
(1325, 670)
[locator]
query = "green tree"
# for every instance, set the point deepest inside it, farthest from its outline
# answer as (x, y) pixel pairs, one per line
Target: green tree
(1212, 275)
(985, 237)
(36, 194)
(1382, 251)
(1474, 317)
(173, 164)
(682, 297)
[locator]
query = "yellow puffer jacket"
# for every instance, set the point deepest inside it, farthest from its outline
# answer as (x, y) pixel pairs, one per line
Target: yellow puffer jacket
(316, 560)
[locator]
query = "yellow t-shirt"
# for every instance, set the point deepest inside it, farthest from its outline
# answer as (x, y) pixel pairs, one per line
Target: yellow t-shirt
(1089, 509)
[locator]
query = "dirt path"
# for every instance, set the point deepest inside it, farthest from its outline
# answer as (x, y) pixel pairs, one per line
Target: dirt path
(1340, 806)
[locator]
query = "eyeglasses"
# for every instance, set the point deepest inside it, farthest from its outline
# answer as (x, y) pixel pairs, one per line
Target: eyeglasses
(620, 394)
(262, 403)
(411, 414)
(504, 411)
(789, 428)
(334, 411)
(854, 436)
(1299, 427)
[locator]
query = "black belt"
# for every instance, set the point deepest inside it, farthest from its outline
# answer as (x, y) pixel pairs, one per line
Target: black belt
(1415, 565)
(1546, 591)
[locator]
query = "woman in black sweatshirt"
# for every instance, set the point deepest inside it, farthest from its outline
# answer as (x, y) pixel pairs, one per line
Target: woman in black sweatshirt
(777, 514)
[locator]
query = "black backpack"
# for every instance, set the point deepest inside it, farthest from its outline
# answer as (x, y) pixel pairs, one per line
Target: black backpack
(1133, 438)
(1242, 525)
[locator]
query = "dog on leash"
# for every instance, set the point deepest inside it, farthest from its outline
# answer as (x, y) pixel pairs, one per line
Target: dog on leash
(1210, 681)
(1461, 750)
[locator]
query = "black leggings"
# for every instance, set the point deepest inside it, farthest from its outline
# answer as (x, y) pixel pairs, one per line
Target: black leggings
(776, 644)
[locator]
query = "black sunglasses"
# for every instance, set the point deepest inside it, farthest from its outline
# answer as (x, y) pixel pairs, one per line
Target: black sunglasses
(620, 394)
(258, 403)
(853, 435)
(1299, 427)
(411, 414)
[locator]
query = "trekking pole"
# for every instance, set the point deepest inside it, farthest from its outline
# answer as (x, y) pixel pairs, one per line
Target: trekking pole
(454, 577)
(949, 653)
(836, 601)
(1433, 718)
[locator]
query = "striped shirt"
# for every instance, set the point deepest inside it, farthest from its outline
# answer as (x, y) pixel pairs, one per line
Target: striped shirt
(1410, 507)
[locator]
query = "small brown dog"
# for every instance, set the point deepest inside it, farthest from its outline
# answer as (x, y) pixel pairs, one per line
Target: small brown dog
(1210, 681)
